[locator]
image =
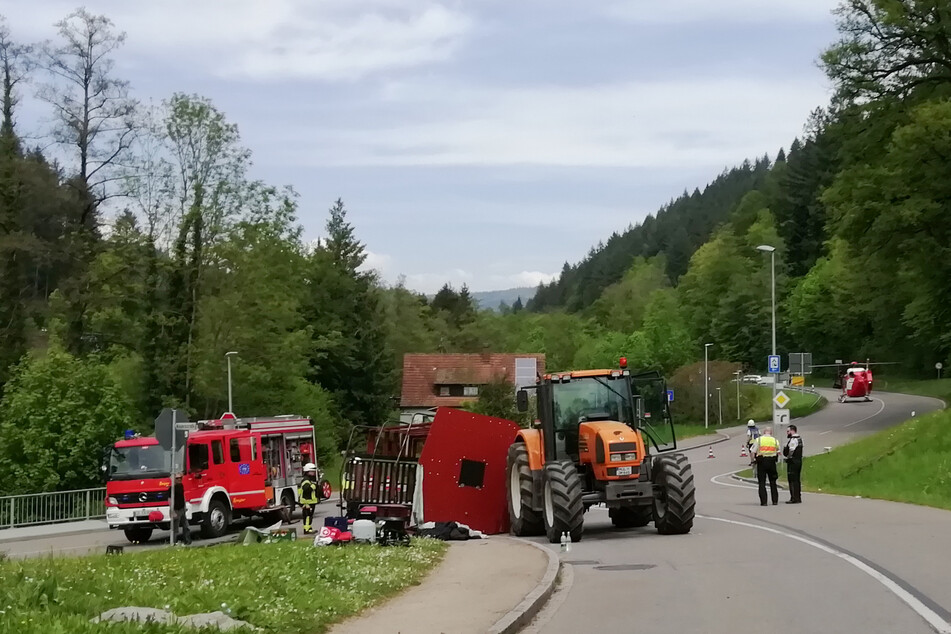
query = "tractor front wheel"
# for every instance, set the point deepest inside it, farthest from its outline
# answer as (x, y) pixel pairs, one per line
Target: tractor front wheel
(631, 516)
(523, 519)
(674, 495)
(564, 508)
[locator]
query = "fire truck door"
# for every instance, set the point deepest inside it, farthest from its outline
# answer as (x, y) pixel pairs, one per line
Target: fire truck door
(245, 475)
(196, 482)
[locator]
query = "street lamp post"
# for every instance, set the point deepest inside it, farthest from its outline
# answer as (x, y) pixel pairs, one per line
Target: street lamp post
(228, 356)
(772, 256)
(739, 376)
(719, 408)
(706, 387)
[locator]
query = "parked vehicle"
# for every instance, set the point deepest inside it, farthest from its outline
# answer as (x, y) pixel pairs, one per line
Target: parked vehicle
(232, 468)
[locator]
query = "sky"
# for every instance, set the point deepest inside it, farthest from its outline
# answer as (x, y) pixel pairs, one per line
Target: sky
(478, 142)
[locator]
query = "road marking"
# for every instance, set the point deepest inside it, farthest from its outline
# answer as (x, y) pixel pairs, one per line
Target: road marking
(934, 619)
(880, 410)
(729, 484)
(825, 432)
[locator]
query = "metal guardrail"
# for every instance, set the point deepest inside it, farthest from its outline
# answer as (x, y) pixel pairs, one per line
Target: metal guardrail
(52, 508)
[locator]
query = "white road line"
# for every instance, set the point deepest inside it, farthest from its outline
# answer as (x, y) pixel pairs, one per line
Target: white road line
(730, 484)
(880, 410)
(826, 432)
(934, 620)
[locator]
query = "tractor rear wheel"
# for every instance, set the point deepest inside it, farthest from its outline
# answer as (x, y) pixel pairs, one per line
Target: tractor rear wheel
(674, 495)
(631, 516)
(563, 508)
(523, 519)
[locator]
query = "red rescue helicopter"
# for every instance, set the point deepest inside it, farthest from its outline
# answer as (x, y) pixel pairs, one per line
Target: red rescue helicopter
(855, 379)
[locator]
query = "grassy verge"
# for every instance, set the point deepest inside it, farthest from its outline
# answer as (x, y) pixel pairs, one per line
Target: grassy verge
(691, 431)
(907, 463)
(289, 588)
(936, 388)
(801, 403)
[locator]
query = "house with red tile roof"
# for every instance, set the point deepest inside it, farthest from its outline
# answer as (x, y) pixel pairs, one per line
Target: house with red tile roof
(449, 380)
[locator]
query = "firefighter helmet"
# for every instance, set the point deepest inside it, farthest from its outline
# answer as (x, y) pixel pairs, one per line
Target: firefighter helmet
(310, 466)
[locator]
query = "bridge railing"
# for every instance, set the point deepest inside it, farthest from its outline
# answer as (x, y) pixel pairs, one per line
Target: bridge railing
(52, 508)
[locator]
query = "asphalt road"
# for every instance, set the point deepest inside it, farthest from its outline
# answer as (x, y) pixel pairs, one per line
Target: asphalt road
(96, 541)
(831, 564)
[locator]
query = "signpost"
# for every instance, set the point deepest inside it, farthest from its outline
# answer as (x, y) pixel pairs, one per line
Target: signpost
(773, 364)
(170, 428)
(780, 413)
(938, 366)
(670, 396)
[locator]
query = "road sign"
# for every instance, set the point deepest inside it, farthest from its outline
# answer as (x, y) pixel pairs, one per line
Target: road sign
(163, 427)
(670, 396)
(781, 400)
(799, 380)
(773, 364)
(780, 417)
(186, 426)
(800, 363)
(938, 365)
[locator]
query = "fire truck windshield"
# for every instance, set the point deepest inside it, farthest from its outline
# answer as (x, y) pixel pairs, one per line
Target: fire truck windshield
(137, 462)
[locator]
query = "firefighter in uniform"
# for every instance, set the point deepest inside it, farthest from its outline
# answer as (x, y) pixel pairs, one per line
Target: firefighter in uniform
(793, 454)
(765, 450)
(307, 495)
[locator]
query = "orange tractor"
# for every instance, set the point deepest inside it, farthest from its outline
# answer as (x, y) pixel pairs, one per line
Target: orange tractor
(601, 437)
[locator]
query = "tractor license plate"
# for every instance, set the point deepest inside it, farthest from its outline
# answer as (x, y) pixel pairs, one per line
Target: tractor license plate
(624, 471)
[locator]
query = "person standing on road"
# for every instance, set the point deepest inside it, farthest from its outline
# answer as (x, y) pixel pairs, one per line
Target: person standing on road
(765, 451)
(307, 495)
(752, 433)
(179, 518)
(793, 454)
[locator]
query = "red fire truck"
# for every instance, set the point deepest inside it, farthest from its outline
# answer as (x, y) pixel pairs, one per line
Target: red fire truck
(233, 467)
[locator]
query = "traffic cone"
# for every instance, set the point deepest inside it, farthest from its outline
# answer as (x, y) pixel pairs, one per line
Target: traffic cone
(743, 453)
(710, 454)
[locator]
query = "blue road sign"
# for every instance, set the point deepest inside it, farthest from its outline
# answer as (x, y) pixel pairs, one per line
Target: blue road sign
(774, 364)
(670, 396)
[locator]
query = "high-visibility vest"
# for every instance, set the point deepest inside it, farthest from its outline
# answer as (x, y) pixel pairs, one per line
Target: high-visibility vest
(768, 447)
(307, 492)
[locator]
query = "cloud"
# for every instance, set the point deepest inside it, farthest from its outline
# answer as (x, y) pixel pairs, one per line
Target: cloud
(721, 11)
(679, 123)
(379, 262)
(278, 39)
(432, 282)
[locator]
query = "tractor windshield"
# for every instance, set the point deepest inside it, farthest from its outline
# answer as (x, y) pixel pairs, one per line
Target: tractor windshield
(653, 412)
(591, 398)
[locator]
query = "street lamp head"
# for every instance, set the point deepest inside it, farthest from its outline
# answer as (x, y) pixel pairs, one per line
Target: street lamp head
(707, 345)
(228, 354)
(766, 248)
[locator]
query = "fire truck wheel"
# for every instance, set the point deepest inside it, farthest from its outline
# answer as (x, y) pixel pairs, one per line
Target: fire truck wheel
(216, 520)
(524, 520)
(324, 490)
(631, 516)
(289, 503)
(138, 534)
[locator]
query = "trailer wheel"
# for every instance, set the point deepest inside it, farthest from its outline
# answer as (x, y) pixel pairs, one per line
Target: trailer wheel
(631, 516)
(564, 508)
(324, 490)
(523, 519)
(674, 495)
(138, 534)
(215, 521)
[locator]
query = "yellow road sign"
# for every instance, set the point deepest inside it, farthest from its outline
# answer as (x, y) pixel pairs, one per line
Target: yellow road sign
(781, 400)
(799, 380)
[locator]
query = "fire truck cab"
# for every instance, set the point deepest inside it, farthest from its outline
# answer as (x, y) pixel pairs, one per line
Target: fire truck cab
(232, 468)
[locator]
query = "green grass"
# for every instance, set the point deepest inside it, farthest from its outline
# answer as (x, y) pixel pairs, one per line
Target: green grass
(289, 588)
(691, 431)
(934, 387)
(800, 404)
(908, 463)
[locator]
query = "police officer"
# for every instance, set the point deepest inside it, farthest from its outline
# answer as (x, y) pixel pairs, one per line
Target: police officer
(765, 450)
(793, 454)
(307, 495)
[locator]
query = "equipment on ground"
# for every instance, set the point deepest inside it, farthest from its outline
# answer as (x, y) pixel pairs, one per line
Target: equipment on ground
(601, 437)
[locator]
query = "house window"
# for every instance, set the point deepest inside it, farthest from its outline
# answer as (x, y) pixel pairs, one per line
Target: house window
(444, 390)
(470, 390)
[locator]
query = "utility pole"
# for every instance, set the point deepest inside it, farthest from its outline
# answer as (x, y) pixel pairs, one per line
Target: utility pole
(719, 408)
(739, 377)
(706, 387)
(228, 356)
(772, 256)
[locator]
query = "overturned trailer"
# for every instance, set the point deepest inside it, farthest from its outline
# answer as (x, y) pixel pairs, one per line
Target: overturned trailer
(449, 469)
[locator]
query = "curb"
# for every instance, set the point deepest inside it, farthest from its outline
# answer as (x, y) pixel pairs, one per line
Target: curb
(722, 438)
(534, 601)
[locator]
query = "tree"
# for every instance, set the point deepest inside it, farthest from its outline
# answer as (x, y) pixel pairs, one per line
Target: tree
(55, 417)
(346, 252)
(890, 48)
(16, 62)
(497, 398)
